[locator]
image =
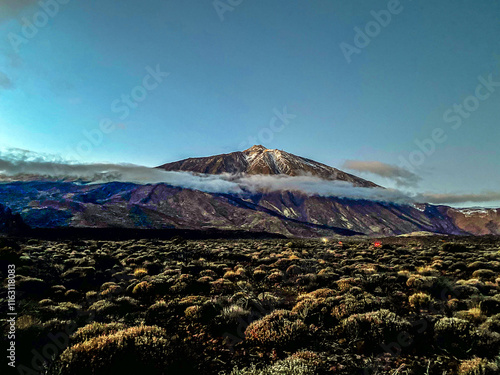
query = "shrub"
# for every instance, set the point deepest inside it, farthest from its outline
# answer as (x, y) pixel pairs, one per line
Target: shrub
(79, 277)
(275, 277)
(451, 247)
(375, 327)
(233, 314)
(348, 305)
(420, 300)
(484, 274)
(492, 324)
(454, 335)
(127, 305)
(315, 307)
(63, 310)
(487, 344)
(162, 314)
(222, 286)
(419, 282)
(142, 289)
(139, 273)
(269, 301)
(134, 350)
(72, 295)
(46, 302)
(230, 275)
(26, 321)
(103, 308)
(259, 275)
(281, 329)
(473, 315)
(8, 254)
(31, 286)
(193, 312)
(95, 329)
(477, 366)
(105, 261)
(292, 366)
(111, 291)
(490, 306)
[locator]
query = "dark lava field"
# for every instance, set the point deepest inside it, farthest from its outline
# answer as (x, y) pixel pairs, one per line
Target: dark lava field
(417, 305)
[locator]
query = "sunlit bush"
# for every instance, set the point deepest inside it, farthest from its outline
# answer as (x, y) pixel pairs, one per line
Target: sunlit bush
(281, 329)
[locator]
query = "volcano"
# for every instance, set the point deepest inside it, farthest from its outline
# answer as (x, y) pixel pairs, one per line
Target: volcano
(284, 211)
(261, 160)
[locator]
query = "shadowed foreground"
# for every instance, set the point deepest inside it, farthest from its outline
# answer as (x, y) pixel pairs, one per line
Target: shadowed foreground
(405, 306)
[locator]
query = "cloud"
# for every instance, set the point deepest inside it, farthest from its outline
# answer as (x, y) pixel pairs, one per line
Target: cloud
(5, 82)
(18, 164)
(316, 186)
(401, 176)
(460, 198)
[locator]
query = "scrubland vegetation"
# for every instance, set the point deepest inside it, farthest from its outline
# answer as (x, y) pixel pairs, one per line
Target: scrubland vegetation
(405, 306)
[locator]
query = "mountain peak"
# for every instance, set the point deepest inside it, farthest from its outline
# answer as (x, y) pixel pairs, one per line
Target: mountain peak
(259, 160)
(256, 148)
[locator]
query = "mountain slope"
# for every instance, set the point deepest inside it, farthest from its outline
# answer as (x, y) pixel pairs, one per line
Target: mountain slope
(479, 221)
(160, 206)
(260, 160)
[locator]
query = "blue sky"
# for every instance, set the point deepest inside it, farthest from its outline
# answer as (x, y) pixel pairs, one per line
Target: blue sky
(229, 74)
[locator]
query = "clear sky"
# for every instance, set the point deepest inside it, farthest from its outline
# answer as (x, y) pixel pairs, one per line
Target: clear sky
(233, 67)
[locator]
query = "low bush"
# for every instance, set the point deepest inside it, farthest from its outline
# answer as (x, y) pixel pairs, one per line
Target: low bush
(454, 335)
(281, 330)
(144, 349)
(374, 328)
